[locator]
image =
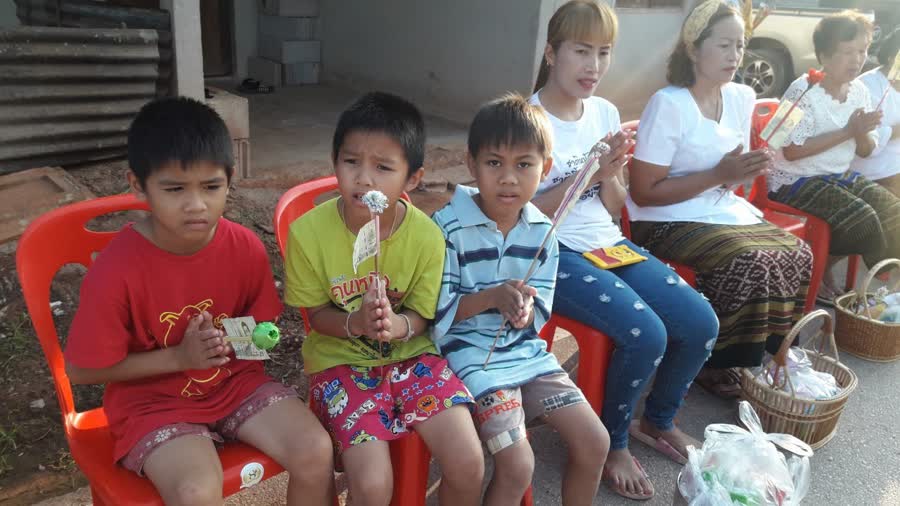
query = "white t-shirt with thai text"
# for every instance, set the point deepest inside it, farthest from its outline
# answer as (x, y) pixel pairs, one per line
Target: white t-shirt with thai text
(589, 225)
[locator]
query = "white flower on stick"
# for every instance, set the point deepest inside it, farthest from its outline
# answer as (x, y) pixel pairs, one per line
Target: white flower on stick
(377, 203)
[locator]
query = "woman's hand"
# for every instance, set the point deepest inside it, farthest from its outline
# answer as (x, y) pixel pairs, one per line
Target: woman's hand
(861, 122)
(737, 167)
(618, 157)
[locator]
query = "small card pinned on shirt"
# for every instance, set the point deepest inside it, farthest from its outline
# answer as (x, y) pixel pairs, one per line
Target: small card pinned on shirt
(239, 333)
(366, 245)
(614, 256)
(785, 121)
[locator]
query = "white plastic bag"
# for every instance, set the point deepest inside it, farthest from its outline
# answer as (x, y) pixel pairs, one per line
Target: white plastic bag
(808, 383)
(891, 312)
(738, 467)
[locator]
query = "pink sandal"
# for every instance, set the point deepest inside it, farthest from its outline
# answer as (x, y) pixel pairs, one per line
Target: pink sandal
(659, 444)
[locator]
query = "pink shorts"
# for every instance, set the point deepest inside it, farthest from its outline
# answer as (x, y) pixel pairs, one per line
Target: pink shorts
(219, 431)
(357, 405)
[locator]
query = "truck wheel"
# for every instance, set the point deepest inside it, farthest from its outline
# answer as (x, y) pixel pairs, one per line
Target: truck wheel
(766, 71)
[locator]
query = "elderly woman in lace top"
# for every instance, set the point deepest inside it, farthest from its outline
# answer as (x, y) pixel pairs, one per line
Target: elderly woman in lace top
(812, 172)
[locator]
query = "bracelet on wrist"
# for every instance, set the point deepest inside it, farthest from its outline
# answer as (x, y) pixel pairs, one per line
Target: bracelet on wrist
(409, 329)
(349, 334)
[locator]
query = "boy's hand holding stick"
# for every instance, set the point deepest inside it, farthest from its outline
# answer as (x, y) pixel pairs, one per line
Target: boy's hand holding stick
(582, 180)
(377, 203)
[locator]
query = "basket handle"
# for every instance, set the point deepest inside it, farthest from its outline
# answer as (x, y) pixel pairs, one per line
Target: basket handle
(779, 361)
(864, 289)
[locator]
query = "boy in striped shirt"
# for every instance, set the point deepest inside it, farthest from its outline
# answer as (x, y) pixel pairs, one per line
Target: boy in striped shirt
(492, 234)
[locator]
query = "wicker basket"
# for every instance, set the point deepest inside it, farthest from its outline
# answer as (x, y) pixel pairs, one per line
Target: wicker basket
(860, 335)
(779, 408)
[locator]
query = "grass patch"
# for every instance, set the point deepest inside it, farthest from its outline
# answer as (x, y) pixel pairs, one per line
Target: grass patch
(7, 448)
(15, 341)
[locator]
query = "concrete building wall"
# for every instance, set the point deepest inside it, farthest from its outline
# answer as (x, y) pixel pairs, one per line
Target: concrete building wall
(646, 38)
(246, 19)
(8, 17)
(448, 57)
(187, 47)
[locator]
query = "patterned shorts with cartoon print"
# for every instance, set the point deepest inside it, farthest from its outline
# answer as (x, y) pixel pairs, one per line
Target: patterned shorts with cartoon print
(356, 404)
(220, 431)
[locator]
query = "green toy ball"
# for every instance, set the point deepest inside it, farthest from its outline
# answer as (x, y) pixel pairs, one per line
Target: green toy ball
(266, 335)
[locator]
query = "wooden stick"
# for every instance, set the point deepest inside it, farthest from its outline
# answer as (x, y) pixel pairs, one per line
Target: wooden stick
(574, 192)
(377, 218)
(884, 95)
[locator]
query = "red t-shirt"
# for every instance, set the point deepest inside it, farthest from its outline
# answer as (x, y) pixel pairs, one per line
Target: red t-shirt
(137, 298)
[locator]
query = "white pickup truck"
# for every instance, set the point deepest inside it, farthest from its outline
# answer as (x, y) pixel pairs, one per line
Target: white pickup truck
(782, 48)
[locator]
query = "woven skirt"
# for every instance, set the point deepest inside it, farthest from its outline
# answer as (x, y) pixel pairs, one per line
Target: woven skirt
(755, 276)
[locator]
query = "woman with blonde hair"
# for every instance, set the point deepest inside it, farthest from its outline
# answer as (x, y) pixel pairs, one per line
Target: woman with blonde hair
(658, 322)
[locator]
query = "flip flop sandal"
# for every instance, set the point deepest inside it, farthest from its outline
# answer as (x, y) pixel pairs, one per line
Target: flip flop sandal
(251, 85)
(628, 495)
(721, 389)
(659, 444)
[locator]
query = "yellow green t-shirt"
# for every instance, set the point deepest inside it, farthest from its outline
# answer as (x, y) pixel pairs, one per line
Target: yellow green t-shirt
(319, 269)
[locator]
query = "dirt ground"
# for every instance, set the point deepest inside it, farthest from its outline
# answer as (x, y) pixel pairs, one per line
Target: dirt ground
(34, 457)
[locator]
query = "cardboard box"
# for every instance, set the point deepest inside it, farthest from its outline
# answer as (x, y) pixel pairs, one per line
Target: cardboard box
(289, 28)
(290, 51)
(295, 8)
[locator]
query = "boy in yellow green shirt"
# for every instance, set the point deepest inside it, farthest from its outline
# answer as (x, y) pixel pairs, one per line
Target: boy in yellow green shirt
(374, 373)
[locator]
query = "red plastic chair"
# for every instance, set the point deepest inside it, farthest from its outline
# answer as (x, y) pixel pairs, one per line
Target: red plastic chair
(594, 353)
(409, 455)
(53, 240)
(819, 234)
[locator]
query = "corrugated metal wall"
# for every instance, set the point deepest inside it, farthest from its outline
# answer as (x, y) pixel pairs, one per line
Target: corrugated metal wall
(67, 95)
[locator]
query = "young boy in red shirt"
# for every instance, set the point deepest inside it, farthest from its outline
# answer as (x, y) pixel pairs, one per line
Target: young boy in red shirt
(149, 323)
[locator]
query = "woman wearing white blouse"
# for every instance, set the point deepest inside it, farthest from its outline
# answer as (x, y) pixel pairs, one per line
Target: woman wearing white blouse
(883, 165)
(692, 147)
(812, 172)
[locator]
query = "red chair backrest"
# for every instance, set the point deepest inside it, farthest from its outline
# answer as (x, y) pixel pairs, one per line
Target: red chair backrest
(294, 204)
(55, 239)
(625, 224)
(763, 112)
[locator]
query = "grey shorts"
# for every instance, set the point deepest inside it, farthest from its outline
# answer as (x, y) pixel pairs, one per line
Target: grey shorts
(501, 416)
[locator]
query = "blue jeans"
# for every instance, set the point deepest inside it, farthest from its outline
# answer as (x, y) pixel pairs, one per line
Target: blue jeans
(658, 323)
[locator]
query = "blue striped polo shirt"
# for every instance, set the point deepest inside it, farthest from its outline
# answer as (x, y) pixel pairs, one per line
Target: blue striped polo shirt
(479, 257)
